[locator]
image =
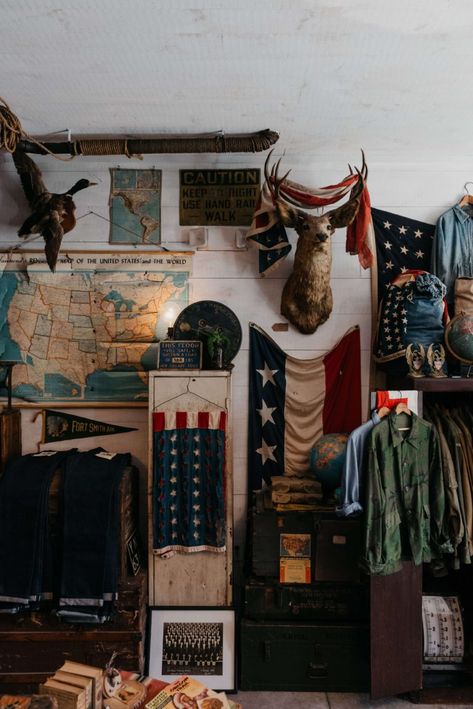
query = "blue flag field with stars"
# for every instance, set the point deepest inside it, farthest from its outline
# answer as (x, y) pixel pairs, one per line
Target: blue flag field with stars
(188, 497)
(401, 244)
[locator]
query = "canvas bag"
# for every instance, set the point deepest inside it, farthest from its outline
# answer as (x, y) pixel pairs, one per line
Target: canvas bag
(464, 296)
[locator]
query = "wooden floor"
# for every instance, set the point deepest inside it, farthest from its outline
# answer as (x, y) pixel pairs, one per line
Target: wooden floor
(323, 700)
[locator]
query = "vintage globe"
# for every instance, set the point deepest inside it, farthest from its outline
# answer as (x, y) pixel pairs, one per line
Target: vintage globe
(326, 459)
(459, 337)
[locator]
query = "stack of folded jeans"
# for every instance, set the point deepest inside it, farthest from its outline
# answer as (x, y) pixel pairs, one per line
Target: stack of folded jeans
(24, 541)
(89, 577)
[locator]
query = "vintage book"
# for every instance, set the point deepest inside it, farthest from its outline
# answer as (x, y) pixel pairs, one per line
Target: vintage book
(95, 673)
(294, 570)
(76, 680)
(180, 693)
(68, 697)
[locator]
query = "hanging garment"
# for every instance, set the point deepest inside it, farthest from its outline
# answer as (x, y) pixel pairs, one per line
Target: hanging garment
(352, 472)
(24, 492)
(453, 509)
(452, 250)
(188, 501)
(404, 496)
(89, 579)
(452, 436)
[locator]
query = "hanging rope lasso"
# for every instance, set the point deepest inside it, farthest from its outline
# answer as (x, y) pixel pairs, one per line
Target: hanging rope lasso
(13, 136)
(11, 132)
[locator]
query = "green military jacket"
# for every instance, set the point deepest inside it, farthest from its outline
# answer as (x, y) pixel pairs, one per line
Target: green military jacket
(404, 496)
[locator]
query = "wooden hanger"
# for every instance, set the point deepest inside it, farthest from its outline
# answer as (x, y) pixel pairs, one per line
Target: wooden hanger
(383, 411)
(467, 198)
(402, 408)
(188, 393)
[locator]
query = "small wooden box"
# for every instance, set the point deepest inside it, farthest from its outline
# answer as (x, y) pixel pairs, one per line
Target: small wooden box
(180, 354)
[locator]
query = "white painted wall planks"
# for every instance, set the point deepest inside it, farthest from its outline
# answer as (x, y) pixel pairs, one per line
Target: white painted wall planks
(222, 273)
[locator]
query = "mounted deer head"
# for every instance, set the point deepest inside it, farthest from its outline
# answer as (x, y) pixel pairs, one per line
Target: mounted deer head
(306, 299)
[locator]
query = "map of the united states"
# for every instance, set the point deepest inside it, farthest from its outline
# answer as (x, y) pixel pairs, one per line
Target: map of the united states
(85, 335)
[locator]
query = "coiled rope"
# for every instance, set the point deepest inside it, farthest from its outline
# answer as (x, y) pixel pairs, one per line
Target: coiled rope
(12, 132)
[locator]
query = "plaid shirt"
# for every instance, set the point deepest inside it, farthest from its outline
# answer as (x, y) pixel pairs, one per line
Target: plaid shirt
(404, 498)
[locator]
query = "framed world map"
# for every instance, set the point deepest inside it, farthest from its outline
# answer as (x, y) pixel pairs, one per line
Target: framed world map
(88, 333)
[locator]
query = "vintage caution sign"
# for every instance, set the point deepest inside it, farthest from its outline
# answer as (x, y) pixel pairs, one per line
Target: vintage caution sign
(218, 197)
(58, 426)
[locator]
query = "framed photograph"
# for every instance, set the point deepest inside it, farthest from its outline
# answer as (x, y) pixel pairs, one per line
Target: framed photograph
(199, 642)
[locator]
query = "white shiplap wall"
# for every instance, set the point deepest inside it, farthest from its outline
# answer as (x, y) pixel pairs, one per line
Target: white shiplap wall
(231, 276)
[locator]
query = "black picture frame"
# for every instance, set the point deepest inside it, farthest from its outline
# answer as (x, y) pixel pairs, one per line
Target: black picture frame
(197, 641)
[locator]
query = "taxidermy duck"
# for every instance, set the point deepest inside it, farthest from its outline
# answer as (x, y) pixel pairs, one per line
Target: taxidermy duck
(53, 215)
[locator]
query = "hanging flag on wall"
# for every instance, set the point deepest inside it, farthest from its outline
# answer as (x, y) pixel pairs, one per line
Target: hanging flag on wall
(401, 244)
(58, 426)
(295, 401)
(188, 497)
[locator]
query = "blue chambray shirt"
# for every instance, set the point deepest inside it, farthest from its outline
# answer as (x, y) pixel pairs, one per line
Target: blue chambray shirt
(452, 250)
(352, 472)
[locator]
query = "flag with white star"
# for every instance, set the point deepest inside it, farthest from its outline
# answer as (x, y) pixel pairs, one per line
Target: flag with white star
(295, 401)
(188, 496)
(401, 244)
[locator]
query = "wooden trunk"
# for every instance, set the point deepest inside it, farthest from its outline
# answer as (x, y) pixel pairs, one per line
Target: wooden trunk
(322, 601)
(33, 646)
(296, 657)
(334, 543)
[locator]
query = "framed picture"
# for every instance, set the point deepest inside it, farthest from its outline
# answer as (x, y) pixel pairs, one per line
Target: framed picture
(199, 642)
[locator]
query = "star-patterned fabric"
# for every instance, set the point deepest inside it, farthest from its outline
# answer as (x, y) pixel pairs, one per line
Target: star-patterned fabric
(413, 310)
(401, 244)
(294, 401)
(188, 481)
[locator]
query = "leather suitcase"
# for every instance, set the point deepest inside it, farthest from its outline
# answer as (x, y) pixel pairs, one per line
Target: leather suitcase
(266, 528)
(329, 602)
(335, 543)
(304, 657)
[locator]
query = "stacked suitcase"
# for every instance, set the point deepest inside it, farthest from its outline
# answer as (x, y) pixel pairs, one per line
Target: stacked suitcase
(305, 636)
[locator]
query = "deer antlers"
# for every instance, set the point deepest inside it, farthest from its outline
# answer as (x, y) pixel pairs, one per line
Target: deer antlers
(306, 299)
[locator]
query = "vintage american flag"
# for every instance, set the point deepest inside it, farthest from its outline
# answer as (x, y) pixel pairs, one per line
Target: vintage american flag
(188, 497)
(295, 401)
(401, 244)
(268, 233)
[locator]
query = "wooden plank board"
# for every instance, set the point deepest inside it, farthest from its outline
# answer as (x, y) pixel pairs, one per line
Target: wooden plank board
(396, 632)
(203, 578)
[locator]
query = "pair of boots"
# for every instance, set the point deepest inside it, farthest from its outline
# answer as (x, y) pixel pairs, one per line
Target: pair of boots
(420, 362)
